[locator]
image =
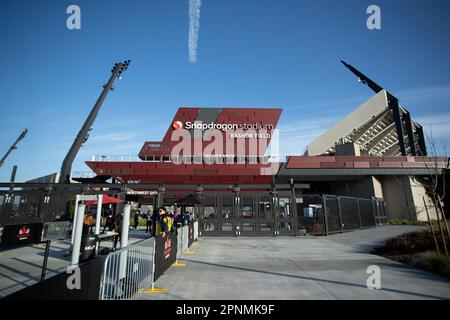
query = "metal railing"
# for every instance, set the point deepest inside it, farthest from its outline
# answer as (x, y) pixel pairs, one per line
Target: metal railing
(115, 158)
(128, 271)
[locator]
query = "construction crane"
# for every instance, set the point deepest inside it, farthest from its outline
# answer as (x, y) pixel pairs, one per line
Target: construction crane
(83, 135)
(14, 146)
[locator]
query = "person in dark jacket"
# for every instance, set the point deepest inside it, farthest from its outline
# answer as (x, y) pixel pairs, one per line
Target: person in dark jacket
(163, 223)
(154, 218)
(148, 218)
(117, 228)
(136, 220)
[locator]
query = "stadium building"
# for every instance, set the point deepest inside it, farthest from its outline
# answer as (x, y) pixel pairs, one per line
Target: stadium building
(374, 159)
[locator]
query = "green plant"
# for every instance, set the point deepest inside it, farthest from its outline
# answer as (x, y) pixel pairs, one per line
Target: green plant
(434, 262)
(405, 222)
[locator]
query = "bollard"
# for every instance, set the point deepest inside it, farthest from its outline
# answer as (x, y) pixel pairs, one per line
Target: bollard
(44, 265)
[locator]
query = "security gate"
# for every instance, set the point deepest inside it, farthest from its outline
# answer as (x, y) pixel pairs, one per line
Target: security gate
(247, 214)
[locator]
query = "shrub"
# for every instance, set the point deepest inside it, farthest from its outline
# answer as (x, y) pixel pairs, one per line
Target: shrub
(405, 222)
(410, 243)
(434, 262)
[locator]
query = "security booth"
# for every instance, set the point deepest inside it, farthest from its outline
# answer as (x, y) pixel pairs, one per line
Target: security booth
(89, 243)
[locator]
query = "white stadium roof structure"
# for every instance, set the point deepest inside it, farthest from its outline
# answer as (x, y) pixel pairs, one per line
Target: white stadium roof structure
(381, 127)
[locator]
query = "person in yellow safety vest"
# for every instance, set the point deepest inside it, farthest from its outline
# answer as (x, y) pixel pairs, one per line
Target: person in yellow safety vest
(163, 222)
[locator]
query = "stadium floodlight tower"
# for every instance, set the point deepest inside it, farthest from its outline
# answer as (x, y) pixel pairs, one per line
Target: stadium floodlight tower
(13, 147)
(83, 135)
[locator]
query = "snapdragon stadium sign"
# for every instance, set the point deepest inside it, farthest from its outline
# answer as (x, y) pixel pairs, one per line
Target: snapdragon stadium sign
(221, 126)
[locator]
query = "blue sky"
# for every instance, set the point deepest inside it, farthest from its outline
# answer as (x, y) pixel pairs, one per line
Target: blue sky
(251, 53)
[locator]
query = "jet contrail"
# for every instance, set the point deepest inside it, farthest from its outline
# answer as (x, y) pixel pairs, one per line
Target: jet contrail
(194, 28)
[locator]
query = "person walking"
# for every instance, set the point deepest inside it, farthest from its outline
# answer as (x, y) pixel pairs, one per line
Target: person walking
(117, 229)
(109, 222)
(163, 223)
(154, 219)
(136, 220)
(148, 217)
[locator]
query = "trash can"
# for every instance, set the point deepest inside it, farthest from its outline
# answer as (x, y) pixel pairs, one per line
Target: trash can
(88, 244)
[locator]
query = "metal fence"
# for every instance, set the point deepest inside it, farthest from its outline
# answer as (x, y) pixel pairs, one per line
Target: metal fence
(128, 271)
(57, 230)
(327, 214)
(33, 206)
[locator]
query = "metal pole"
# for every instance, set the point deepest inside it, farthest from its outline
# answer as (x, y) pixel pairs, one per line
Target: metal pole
(84, 132)
(13, 147)
(77, 237)
(340, 214)
(44, 265)
(324, 206)
(13, 174)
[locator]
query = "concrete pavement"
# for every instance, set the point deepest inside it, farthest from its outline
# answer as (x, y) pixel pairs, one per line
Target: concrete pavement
(22, 267)
(269, 268)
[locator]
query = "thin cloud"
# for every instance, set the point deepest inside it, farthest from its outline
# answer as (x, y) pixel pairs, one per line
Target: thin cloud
(194, 28)
(438, 124)
(435, 93)
(296, 135)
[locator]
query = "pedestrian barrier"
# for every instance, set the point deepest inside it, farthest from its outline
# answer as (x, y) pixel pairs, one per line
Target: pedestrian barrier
(183, 240)
(191, 235)
(179, 242)
(128, 271)
(185, 244)
(165, 253)
(195, 230)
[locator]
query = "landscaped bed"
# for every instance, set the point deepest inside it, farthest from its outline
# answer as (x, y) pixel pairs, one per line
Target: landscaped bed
(418, 249)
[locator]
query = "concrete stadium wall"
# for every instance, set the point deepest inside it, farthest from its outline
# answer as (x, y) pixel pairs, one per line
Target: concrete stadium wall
(403, 197)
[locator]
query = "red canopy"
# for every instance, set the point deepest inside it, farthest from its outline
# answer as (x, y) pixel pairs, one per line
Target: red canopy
(106, 199)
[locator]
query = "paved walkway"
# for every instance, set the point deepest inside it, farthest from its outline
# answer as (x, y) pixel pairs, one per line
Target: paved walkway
(331, 267)
(22, 267)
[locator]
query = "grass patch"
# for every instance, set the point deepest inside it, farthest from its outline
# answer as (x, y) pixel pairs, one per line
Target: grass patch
(406, 222)
(434, 262)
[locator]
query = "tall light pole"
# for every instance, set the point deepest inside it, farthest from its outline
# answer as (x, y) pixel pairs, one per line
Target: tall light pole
(13, 147)
(83, 135)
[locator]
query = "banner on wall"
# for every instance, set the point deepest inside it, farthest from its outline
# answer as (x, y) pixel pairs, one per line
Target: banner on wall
(21, 234)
